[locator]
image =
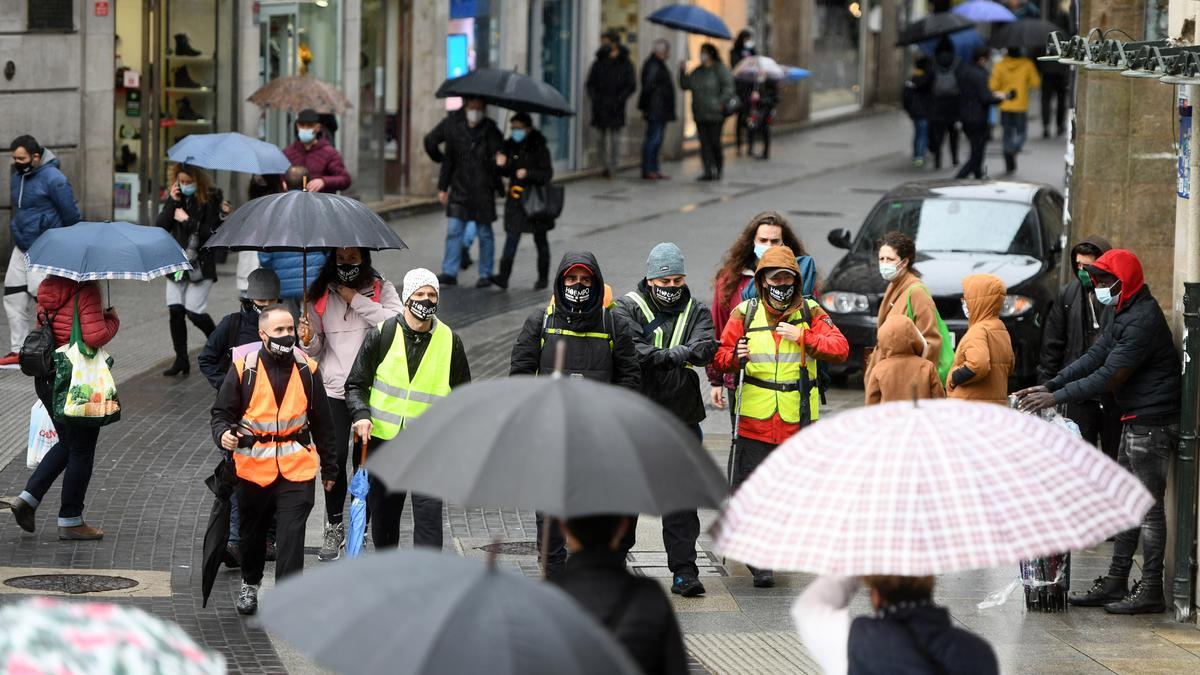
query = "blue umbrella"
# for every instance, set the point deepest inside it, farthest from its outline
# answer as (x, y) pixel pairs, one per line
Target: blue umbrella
(359, 487)
(984, 11)
(965, 43)
(792, 73)
(107, 250)
(691, 20)
(229, 152)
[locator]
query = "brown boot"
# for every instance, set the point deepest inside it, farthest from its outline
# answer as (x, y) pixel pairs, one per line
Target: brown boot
(82, 532)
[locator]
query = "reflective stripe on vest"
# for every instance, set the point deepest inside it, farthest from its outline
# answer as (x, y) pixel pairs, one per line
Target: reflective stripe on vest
(781, 365)
(677, 334)
(569, 333)
(276, 429)
(397, 398)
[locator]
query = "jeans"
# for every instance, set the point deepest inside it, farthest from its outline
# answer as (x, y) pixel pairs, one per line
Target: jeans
(608, 150)
(457, 231)
(1145, 452)
(652, 146)
(1015, 126)
(290, 502)
(72, 457)
(978, 138)
(711, 152)
(920, 138)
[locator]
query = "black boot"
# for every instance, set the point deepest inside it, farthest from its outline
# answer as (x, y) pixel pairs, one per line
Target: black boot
(183, 110)
(184, 80)
(183, 47)
(202, 321)
(178, 322)
(1143, 598)
(1104, 590)
(501, 280)
(1010, 163)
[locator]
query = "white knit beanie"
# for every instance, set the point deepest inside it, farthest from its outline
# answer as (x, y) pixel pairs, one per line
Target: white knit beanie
(415, 279)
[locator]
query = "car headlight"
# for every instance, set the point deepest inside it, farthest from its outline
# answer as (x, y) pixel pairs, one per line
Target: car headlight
(1016, 305)
(845, 303)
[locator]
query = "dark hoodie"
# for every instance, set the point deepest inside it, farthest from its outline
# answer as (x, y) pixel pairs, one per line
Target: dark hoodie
(916, 640)
(1073, 323)
(1134, 357)
(612, 360)
(610, 83)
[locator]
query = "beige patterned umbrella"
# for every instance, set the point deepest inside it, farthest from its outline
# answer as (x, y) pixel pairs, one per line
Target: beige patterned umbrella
(297, 92)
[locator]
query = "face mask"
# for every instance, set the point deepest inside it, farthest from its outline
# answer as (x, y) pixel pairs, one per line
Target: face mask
(306, 135)
(748, 44)
(347, 272)
(667, 295)
(966, 312)
(888, 271)
(577, 294)
(22, 168)
(1084, 278)
(422, 309)
(187, 190)
(781, 294)
(1105, 296)
(759, 250)
(251, 306)
(474, 117)
(281, 346)
(518, 135)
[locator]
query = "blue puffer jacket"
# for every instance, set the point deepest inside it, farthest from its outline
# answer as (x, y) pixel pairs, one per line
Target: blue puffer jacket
(41, 200)
(289, 267)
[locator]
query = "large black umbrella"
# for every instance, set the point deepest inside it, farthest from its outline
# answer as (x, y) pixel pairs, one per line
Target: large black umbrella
(508, 89)
(565, 446)
(1024, 33)
(409, 612)
(304, 221)
(933, 26)
(222, 483)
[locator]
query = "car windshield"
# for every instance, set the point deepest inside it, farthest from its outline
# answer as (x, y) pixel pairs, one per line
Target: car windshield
(973, 225)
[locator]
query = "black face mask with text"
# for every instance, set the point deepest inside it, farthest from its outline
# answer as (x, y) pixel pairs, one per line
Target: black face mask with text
(422, 310)
(348, 273)
(781, 295)
(577, 294)
(667, 295)
(281, 347)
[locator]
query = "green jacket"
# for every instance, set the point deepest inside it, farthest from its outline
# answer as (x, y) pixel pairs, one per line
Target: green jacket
(712, 87)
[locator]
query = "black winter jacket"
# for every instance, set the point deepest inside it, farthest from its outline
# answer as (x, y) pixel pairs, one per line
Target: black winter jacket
(657, 98)
(610, 83)
(665, 378)
(203, 220)
(975, 97)
(916, 640)
(468, 170)
(1135, 343)
(216, 358)
(918, 90)
(633, 609)
(1072, 327)
(614, 360)
(533, 155)
(362, 373)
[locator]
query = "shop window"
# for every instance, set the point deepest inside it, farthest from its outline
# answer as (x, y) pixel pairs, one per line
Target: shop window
(51, 16)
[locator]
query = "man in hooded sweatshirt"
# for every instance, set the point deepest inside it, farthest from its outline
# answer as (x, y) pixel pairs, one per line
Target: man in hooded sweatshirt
(983, 359)
(1136, 360)
(599, 346)
(1072, 327)
(674, 336)
(777, 339)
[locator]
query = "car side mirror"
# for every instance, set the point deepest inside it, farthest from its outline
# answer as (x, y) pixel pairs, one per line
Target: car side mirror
(840, 238)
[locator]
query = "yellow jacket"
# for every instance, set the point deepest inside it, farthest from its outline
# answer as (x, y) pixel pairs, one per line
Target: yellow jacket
(1015, 74)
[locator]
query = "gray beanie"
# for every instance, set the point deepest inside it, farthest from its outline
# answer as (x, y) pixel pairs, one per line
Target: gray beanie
(665, 260)
(262, 284)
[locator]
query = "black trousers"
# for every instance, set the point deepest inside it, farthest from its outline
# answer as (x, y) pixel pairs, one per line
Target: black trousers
(940, 129)
(711, 153)
(977, 136)
(288, 501)
(1098, 427)
(1054, 93)
(335, 499)
(750, 453)
(385, 508)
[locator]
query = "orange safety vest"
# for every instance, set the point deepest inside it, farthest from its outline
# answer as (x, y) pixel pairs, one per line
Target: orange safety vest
(282, 444)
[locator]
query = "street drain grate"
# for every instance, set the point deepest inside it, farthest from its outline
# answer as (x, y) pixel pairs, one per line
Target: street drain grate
(815, 214)
(510, 548)
(74, 584)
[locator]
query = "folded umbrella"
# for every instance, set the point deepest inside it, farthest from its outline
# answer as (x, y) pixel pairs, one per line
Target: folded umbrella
(294, 93)
(304, 221)
(229, 152)
(221, 483)
(360, 485)
(984, 11)
(107, 250)
(914, 491)
(933, 26)
(691, 19)
(410, 612)
(508, 89)
(1024, 33)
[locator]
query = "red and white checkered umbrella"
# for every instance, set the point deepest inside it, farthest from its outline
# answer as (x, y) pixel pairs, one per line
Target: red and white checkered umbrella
(943, 487)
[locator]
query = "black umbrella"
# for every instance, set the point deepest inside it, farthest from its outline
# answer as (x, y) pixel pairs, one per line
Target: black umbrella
(304, 221)
(565, 446)
(409, 612)
(934, 26)
(222, 483)
(508, 89)
(1024, 33)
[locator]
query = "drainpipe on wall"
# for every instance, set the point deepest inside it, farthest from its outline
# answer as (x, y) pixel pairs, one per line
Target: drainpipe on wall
(1185, 465)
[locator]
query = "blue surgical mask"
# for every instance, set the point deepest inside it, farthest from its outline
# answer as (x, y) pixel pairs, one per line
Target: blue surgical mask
(889, 271)
(518, 135)
(759, 250)
(306, 135)
(187, 190)
(1105, 296)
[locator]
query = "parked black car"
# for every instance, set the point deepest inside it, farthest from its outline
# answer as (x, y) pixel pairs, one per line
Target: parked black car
(1010, 229)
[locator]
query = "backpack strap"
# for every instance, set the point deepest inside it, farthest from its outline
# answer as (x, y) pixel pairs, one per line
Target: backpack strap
(748, 316)
(250, 373)
(231, 333)
(387, 335)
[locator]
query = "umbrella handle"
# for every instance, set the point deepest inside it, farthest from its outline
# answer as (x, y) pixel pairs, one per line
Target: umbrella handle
(364, 452)
(545, 546)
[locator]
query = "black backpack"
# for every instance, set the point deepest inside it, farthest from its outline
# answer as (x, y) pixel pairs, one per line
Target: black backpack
(37, 352)
(945, 80)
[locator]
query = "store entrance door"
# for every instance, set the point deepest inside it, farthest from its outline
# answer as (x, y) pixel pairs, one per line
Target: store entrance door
(552, 59)
(279, 56)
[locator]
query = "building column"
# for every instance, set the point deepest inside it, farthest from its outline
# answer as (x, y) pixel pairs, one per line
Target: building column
(428, 41)
(791, 44)
(348, 128)
(94, 173)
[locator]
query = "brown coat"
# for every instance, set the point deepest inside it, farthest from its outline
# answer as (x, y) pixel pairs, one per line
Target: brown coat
(895, 303)
(900, 372)
(986, 349)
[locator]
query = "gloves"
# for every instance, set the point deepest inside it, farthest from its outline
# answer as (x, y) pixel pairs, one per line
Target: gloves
(679, 355)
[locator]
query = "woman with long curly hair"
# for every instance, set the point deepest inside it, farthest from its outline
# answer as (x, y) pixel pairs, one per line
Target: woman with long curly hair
(764, 230)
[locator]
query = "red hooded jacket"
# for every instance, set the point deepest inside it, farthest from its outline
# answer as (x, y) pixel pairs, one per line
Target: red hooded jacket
(1125, 266)
(56, 297)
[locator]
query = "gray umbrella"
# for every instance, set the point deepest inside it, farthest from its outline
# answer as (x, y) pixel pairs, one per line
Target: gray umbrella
(565, 446)
(423, 612)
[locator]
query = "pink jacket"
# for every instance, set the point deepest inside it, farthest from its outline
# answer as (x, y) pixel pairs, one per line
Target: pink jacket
(339, 331)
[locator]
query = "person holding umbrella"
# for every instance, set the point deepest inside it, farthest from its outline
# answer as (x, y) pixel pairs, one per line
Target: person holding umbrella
(610, 83)
(272, 416)
(711, 85)
(192, 212)
(405, 364)
(327, 172)
(525, 160)
(347, 299)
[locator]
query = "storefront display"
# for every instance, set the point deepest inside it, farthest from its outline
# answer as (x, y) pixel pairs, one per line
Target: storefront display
(837, 46)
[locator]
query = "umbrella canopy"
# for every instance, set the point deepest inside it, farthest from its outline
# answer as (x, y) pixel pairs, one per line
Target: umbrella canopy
(46, 635)
(304, 221)
(914, 491)
(294, 93)
(691, 20)
(754, 67)
(508, 89)
(1025, 33)
(107, 250)
(933, 26)
(408, 612)
(965, 44)
(229, 152)
(984, 11)
(222, 483)
(565, 446)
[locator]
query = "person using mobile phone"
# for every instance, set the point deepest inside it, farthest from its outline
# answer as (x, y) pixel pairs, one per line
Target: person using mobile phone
(1015, 76)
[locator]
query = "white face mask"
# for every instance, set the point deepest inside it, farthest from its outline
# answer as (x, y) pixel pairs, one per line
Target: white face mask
(474, 116)
(748, 44)
(889, 271)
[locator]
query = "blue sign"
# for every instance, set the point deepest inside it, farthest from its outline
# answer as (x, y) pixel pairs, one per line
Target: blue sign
(463, 9)
(457, 55)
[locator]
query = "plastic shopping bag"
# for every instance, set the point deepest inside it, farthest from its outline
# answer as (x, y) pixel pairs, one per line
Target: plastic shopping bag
(42, 435)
